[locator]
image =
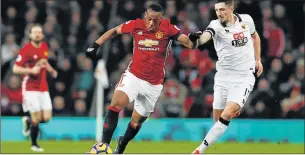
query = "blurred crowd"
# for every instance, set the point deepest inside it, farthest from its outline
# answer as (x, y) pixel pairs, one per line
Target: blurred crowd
(70, 26)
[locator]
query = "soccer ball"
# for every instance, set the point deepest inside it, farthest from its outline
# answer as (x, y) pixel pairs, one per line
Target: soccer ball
(100, 148)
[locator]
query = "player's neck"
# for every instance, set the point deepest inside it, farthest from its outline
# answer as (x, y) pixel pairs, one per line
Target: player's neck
(232, 19)
(35, 44)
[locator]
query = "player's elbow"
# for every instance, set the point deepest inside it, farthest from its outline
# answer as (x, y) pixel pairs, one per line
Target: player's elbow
(118, 29)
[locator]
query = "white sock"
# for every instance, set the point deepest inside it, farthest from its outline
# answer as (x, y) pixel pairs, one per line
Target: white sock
(215, 132)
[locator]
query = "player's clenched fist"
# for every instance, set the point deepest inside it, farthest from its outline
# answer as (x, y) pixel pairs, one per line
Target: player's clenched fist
(92, 50)
(194, 35)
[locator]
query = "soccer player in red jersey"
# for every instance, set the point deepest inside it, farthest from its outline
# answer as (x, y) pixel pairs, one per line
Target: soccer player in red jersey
(32, 63)
(142, 81)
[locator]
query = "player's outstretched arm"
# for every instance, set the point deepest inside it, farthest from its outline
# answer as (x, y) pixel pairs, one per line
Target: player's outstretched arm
(204, 37)
(200, 37)
(110, 33)
(185, 41)
(92, 50)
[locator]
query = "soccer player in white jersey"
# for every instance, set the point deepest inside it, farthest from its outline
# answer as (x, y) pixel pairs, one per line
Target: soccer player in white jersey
(238, 49)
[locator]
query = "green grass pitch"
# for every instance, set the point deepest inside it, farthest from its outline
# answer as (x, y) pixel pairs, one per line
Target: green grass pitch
(155, 147)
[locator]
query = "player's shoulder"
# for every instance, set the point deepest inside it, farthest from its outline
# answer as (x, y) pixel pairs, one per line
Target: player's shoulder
(245, 17)
(128, 22)
(137, 23)
(169, 28)
(44, 45)
(165, 21)
(26, 46)
(165, 24)
(214, 24)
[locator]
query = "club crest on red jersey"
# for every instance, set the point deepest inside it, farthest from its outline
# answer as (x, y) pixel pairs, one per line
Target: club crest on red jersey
(159, 35)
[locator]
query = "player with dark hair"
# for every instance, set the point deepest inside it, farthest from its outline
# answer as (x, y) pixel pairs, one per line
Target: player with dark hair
(32, 63)
(238, 49)
(142, 81)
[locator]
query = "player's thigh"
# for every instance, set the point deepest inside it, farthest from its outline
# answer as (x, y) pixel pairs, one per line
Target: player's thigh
(31, 101)
(239, 92)
(147, 99)
(220, 96)
(46, 105)
(125, 91)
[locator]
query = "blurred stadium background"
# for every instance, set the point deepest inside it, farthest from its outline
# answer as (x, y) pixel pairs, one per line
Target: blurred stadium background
(271, 122)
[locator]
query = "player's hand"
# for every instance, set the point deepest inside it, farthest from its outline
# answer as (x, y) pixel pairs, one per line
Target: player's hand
(54, 74)
(36, 70)
(259, 68)
(42, 63)
(92, 51)
(194, 36)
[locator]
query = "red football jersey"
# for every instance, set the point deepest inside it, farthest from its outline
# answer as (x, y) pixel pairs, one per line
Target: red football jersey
(28, 57)
(150, 49)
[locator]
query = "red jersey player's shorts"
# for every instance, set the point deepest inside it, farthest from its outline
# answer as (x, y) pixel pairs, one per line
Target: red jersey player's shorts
(143, 93)
(35, 101)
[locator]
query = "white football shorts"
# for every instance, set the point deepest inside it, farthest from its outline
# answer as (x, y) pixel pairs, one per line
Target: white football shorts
(35, 101)
(232, 88)
(144, 94)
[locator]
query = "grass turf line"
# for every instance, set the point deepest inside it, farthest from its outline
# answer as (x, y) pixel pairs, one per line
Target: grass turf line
(154, 147)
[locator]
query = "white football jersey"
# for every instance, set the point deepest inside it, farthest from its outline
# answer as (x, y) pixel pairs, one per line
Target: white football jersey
(234, 45)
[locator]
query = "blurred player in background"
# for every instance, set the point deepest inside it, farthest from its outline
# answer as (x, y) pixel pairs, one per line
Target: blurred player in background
(32, 63)
(238, 49)
(142, 81)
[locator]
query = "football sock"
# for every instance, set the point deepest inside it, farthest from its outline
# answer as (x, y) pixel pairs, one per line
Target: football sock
(34, 133)
(215, 132)
(28, 123)
(110, 123)
(131, 132)
(29, 120)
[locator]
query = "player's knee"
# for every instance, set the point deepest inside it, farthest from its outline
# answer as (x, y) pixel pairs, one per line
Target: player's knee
(226, 115)
(229, 111)
(138, 121)
(117, 105)
(35, 121)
